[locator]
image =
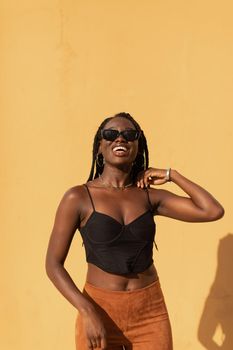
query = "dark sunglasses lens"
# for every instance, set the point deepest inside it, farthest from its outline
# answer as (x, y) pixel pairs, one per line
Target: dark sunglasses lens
(109, 135)
(130, 135)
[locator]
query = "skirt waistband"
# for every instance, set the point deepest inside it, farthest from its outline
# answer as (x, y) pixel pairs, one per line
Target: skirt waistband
(90, 287)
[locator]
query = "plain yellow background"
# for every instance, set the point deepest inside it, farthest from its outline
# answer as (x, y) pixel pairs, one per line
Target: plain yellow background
(64, 67)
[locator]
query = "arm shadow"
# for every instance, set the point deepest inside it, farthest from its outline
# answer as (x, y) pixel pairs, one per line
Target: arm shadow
(215, 329)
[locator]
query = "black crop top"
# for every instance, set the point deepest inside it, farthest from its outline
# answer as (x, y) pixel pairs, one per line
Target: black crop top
(118, 248)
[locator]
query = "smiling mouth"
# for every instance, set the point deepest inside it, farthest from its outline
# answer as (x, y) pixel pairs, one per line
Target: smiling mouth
(120, 150)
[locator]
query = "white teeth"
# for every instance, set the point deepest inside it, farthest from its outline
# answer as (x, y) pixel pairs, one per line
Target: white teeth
(119, 148)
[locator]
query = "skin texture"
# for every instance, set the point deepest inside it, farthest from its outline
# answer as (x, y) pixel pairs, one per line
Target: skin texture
(74, 209)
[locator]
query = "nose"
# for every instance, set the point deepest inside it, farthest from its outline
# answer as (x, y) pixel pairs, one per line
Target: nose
(120, 137)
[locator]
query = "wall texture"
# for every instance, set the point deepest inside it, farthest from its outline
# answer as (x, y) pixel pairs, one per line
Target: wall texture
(66, 65)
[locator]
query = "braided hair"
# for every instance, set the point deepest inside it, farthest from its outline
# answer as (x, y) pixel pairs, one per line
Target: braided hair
(141, 161)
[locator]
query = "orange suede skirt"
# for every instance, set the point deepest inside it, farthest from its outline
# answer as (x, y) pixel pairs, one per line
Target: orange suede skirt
(134, 320)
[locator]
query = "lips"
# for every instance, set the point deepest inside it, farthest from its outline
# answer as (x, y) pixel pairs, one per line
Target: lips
(120, 150)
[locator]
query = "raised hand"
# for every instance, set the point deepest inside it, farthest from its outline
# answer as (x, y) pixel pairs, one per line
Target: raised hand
(153, 176)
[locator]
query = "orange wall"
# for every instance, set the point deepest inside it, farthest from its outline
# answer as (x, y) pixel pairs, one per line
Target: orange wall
(66, 65)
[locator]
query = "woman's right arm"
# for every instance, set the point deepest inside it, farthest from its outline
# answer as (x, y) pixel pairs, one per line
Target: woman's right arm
(66, 220)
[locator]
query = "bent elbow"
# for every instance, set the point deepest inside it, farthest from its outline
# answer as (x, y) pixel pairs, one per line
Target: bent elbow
(48, 268)
(217, 213)
(51, 267)
(221, 212)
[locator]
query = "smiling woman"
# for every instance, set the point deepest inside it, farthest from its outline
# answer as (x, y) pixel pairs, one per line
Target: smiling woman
(121, 305)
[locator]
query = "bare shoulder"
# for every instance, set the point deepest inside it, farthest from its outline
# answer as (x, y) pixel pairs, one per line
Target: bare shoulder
(75, 192)
(74, 197)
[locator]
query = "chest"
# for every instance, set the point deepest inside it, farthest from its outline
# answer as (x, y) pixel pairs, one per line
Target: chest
(124, 207)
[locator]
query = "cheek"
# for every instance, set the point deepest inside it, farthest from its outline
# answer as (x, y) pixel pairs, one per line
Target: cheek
(104, 145)
(135, 150)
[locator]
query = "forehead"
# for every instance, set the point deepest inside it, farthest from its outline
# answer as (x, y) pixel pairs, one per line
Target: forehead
(119, 123)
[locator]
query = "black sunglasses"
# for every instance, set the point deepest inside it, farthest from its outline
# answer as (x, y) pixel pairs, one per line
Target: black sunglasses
(111, 134)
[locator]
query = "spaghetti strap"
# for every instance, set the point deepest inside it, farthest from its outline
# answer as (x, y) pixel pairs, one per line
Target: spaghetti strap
(148, 197)
(88, 191)
(151, 209)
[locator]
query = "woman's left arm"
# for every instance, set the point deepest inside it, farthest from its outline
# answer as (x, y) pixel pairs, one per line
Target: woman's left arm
(200, 206)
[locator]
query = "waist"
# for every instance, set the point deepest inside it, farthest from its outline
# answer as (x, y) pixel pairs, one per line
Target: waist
(105, 293)
(116, 282)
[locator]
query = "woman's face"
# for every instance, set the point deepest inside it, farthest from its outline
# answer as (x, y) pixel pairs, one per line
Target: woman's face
(120, 151)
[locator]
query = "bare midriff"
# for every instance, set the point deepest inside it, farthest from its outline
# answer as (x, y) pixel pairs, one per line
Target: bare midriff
(106, 280)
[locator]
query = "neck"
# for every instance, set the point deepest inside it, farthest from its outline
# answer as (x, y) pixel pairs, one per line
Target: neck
(116, 177)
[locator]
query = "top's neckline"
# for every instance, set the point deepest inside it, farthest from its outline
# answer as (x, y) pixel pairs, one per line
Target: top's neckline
(113, 219)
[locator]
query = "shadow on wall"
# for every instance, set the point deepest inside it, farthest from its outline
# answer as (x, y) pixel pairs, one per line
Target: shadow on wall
(216, 325)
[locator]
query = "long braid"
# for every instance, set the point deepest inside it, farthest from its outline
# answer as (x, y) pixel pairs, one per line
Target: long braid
(142, 159)
(96, 143)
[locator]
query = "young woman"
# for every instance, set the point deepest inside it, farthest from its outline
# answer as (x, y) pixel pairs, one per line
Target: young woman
(121, 305)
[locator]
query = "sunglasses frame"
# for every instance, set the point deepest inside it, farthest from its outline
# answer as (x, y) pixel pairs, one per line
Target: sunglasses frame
(120, 133)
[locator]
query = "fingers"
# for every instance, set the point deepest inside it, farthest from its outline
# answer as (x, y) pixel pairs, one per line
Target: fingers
(96, 343)
(103, 344)
(151, 176)
(146, 178)
(93, 345)
(140, 183)
(99, 342)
